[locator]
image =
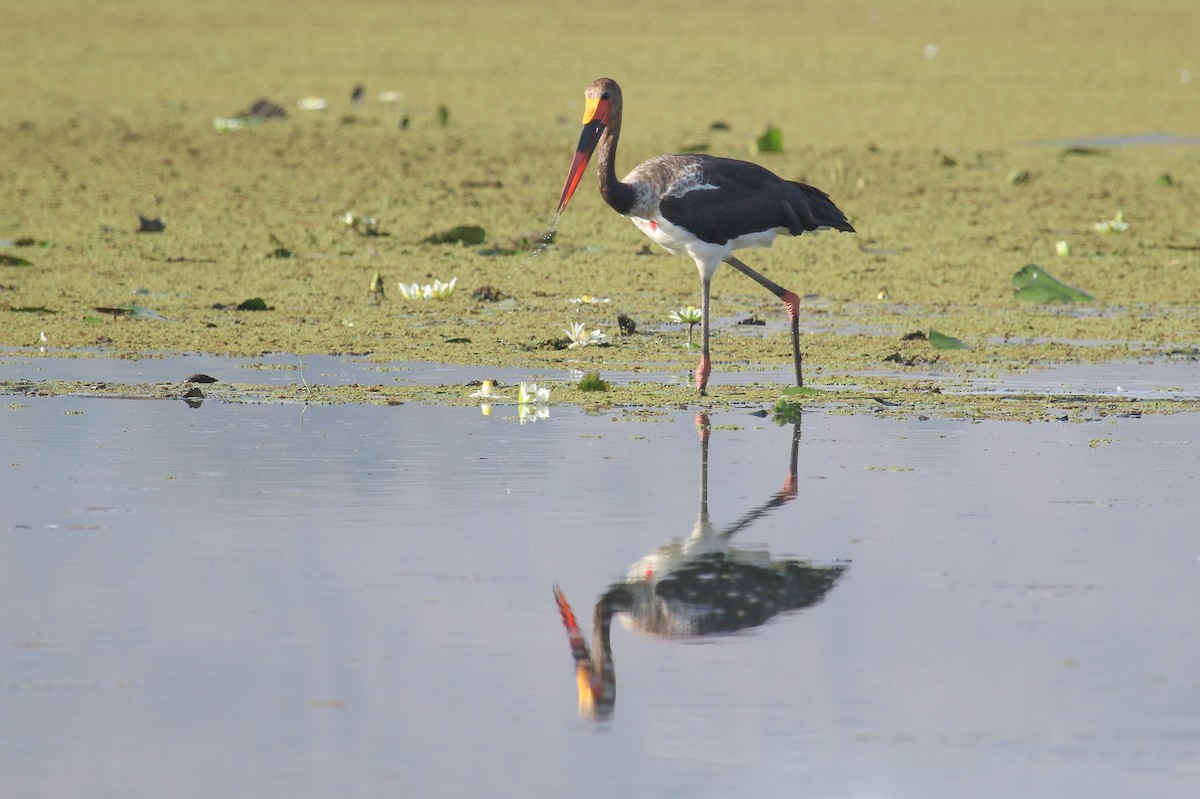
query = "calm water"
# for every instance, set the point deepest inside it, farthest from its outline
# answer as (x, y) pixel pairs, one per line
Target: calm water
(253, 601)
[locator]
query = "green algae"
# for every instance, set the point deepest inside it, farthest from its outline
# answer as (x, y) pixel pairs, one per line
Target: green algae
(939, 239)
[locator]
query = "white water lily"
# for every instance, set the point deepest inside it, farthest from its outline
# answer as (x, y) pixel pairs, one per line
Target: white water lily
(438, 291)
(487, 390)
(587, 299)
(581, 338)
(1115, 225)
(313, 104)
(532, 393)
(531, 402)
(690, 316)
(229, 123)
(363, 225)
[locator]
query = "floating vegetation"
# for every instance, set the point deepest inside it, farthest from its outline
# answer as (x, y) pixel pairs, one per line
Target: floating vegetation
(254, 304)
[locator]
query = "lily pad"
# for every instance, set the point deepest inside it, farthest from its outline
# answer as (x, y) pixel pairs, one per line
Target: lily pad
(253, 304)
(462, 234)
(770, 141)
(1032, 283)
(941, 341)
(12, 260)
(133, 311)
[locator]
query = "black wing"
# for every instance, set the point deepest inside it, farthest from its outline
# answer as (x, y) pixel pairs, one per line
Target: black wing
(749, 199)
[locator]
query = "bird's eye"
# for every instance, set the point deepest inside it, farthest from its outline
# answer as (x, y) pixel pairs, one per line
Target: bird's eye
(606, 96)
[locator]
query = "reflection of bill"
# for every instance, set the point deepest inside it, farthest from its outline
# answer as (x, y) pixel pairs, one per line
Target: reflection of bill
(699, 586)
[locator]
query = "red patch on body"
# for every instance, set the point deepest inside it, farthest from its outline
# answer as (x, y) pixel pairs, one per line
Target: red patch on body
(653, 225)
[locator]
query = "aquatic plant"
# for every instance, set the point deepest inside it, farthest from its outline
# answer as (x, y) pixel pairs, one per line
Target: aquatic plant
(438, 291)
(1031, 283)
(531, 402)
(532, 394)
(689, 316)
(580, 337)
(362, 225)
(487, 390)
(1115, 225)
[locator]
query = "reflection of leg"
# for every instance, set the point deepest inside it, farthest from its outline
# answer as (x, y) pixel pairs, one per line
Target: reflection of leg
(796, 350)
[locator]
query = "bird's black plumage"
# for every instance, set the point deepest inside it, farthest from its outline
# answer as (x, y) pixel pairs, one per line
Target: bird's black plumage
(747, 198)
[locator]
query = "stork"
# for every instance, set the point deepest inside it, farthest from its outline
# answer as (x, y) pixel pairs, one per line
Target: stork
(702, 206)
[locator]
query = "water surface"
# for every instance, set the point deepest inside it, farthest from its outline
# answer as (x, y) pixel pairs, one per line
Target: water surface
(355, 601)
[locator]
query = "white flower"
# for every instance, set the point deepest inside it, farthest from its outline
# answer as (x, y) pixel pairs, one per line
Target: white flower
(532, 393)
(487, 390)
(228, 123)
(391, 97)
(438, 291)
(1115, 225)
(587, 299)
(313, 104)
(1062, 248)
(363, 225)
(688, 316)
(582, 338)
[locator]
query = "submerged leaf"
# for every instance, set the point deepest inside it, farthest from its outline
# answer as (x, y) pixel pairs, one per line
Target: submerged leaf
(941, 341)
(12, 260)
(1034, 284)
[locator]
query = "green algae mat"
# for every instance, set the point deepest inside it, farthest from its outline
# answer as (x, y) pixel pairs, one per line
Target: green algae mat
(375, 179)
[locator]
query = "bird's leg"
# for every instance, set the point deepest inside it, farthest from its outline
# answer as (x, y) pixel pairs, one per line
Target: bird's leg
(705, 367)
(790, 301)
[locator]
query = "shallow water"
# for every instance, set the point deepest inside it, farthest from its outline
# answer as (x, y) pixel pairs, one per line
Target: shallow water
(272, 600)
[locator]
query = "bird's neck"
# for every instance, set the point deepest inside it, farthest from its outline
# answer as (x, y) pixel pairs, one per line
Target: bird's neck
(620, 196)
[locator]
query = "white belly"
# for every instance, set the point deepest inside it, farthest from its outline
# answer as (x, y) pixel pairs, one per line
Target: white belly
(707, 256)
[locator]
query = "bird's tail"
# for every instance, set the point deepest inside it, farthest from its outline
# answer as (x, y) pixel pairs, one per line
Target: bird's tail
(814, 210)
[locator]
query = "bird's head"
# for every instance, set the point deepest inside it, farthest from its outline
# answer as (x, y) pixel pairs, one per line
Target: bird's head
(601, 105)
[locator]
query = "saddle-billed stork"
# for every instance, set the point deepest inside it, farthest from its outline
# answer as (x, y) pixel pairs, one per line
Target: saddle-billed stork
(700, 205)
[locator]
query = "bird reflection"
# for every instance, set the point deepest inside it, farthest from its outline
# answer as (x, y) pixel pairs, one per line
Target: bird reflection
(695, 587)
